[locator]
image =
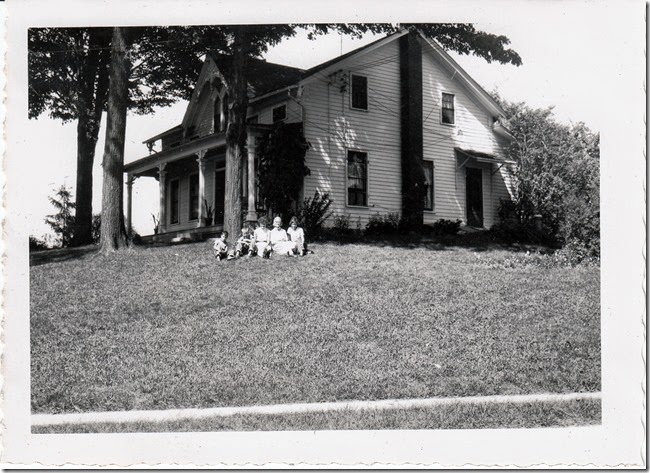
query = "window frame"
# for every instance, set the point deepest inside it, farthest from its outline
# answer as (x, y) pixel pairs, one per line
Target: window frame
(189, 197)
(427, 162)
(442, 109)
(177, 204)
(352, 92)
(367, 179)
(273, 113)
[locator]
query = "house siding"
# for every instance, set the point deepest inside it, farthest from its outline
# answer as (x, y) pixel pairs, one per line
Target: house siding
(472, 130)
(333, 127)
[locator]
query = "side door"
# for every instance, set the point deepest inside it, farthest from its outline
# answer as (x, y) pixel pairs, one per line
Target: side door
(474, 196)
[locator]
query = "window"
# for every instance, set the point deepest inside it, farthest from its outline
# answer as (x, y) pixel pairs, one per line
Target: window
(279, 113)
(427, 166)
(448, 109)
(357, 178)
(173, 201)
(194, 197)
(217, 115)
(359, 92)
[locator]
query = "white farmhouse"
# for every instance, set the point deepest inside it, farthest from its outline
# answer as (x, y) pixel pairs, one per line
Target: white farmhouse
(361, 112)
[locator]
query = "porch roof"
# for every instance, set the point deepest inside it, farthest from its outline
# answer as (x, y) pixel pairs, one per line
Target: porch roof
(214, 140)
(482, 157)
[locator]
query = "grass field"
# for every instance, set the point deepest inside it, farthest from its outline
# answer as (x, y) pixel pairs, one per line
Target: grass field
(168, 327)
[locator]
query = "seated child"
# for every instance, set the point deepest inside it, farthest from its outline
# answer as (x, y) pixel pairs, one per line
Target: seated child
(261, 240)
(279, 240)
(220, 248)
(297, 236)
(244, 243)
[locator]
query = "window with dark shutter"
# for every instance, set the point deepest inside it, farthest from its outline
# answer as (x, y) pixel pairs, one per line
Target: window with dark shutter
(359, 92)
(357, 178)
(448, 111)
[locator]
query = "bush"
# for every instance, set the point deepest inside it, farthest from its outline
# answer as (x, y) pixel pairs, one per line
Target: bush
(341, 224)
(313, 213)
(379, 225)
(36, 244)
(445, 227)
(515, 227)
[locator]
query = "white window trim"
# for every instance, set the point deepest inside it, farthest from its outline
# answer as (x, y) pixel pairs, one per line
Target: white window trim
(356, 150)
(286, 113)
(367, 93)
(189, 198)
(169, 203)
(433, 168)
(455, 109)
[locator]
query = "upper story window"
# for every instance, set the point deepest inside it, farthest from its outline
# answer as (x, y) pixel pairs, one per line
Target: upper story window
(448, 111)
(194, 196)
(427, 167)
(359, 92)
(357, 178)
(279, 113)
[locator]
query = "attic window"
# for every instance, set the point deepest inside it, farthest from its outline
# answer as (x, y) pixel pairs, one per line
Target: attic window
(448, 112)
(359, 93)
(279, 113)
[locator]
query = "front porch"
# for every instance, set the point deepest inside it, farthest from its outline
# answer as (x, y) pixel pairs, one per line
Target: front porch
(192, 182)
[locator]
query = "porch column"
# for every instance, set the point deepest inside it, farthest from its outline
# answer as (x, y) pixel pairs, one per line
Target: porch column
(202, 209)
(129, 203)
(251, 215)
(162, 218)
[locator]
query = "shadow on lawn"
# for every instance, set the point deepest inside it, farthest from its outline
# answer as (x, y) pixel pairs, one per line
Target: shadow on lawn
(475, 241)
(57, 255)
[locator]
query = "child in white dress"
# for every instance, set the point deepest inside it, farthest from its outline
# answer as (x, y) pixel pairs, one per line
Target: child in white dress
(261, 239)
(297, 236)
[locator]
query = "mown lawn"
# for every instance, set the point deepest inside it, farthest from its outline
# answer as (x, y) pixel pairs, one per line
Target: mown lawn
(157, 328)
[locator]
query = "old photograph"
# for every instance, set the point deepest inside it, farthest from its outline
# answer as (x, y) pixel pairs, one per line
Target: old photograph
(313, 226)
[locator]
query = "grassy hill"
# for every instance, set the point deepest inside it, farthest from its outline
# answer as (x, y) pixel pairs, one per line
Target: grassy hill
(168, 327)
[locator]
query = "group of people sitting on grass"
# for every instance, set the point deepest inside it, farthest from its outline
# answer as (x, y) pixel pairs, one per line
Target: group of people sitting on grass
(263, 242)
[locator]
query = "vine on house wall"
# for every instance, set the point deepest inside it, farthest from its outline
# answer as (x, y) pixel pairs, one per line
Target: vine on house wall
(282, 167)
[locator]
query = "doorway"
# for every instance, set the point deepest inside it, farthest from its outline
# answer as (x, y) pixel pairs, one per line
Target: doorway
(219, 195)
(474, 195)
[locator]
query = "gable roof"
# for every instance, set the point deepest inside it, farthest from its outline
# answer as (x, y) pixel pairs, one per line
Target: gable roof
(263, 76)
(267, 78)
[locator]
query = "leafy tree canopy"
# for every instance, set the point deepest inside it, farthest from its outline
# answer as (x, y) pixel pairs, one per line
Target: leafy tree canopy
(557, 175)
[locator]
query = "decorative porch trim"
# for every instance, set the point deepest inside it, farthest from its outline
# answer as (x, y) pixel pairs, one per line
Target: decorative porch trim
(187, 149)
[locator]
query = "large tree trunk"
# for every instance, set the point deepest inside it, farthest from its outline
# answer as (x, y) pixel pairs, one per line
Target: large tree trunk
(90, 104)
(113, 234)
(236, 132)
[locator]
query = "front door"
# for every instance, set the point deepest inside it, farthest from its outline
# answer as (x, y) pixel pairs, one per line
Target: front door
(219, 195)
(474, 192)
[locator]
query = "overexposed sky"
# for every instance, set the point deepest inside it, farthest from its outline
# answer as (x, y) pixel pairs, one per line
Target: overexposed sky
(561, 45)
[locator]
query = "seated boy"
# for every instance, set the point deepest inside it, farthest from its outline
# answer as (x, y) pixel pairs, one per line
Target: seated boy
(244, 243)
(220, 248)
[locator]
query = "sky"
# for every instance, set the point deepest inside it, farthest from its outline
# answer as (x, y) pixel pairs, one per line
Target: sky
(561, 49)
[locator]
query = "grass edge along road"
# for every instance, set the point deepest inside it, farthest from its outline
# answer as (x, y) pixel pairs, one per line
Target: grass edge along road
(544, 410)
